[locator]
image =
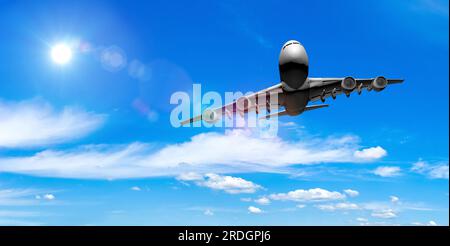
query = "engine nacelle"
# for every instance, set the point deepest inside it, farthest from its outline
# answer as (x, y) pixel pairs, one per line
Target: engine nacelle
(211, 116)
(348, 84)
(379, 83)
(293, 65)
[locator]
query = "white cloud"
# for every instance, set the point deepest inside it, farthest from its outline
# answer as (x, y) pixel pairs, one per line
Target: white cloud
(232, 152)
(135, 188)
(429, 223)
(301, 206)
(360, 219)
(254, 210)
(263, 201)
(338, 206)
(190, 176)
(433, 171)
(351, 193)
(49, 197)
(394, 199)
(288, 124)
(432, 223)
(229, 184)
(386, 171)
(300, 195)
(208, 212)
(246, 199)
(384, 214)
(35, 123)
(399, 206)
(439, 172)
(380, 223)
(371, 153)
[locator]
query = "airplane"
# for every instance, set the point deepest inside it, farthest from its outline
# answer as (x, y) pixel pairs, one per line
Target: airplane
(295, 90)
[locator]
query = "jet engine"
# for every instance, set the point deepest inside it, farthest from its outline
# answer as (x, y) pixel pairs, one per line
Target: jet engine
(348, 84)
(210, 116)
(379, 83)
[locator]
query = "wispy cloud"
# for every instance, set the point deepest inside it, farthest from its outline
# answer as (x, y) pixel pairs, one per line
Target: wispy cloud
(242, 25)
(429, 223)
(377, 210)
(48, 197)
(362, 220)
(208, 212)
(231, 152)
(263, 201)
(135, 188)
(351, 193)
(438, 170)
(384, 214)
(35, 123)
(18, 218)
(17, 197)
(338, 206)
(17, 214)
(438, 7)
(394, 199)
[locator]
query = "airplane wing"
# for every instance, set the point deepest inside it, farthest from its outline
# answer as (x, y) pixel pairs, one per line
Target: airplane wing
(321, 88)
(242, 105)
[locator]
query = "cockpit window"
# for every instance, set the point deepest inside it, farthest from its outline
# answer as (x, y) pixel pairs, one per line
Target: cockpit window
(290, 44)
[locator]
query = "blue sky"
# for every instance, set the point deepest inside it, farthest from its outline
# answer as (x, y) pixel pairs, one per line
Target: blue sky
(90, 142)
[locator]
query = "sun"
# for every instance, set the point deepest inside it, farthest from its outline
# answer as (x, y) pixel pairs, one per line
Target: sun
(61, 53)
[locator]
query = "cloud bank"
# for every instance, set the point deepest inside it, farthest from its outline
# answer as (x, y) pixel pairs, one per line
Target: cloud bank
(230, 152)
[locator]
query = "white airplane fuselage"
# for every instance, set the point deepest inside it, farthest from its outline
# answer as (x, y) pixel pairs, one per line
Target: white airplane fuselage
(293, 65)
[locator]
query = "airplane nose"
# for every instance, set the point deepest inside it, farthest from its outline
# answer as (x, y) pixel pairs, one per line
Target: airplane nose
(293, 52)
(290, 42)
(293, 65)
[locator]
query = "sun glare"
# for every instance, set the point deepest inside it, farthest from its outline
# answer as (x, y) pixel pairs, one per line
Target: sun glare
(61, 54)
